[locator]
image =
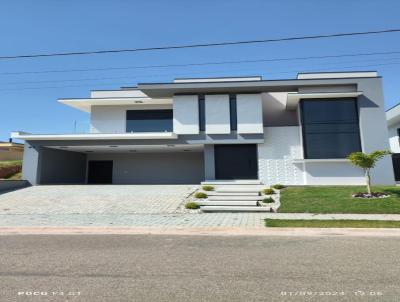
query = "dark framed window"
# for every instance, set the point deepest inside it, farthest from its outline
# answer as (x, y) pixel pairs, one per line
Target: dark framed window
(149, 120)
(398, 131)
(202, 112)
(330, 127)
(233, 111)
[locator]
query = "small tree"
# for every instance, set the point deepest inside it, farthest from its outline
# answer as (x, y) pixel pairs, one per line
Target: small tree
(367, 162)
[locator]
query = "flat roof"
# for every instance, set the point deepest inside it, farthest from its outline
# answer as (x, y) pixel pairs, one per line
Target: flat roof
(393, 115)
(160, 90)
(85, 104)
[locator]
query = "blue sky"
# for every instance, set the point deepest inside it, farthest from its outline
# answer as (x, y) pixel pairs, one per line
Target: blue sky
(28, 101)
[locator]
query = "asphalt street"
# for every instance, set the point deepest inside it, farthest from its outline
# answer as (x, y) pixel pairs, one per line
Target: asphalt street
(198, 268)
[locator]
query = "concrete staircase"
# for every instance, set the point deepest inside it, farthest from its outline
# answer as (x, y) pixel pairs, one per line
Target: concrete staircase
(234, 196)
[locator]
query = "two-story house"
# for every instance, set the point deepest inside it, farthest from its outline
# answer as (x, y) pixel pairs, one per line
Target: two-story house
(293, 131)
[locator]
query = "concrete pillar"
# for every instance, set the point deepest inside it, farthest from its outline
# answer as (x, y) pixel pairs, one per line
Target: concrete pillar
(209, 162)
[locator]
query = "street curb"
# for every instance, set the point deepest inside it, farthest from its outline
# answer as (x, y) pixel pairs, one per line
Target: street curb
(217, 231)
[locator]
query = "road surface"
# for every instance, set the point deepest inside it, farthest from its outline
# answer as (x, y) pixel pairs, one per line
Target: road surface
(198, 268)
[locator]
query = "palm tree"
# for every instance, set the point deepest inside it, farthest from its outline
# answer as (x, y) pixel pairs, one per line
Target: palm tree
(367, 161)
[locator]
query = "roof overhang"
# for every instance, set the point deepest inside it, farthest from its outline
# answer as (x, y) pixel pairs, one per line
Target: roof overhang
(393, 115)
(86, 104)
(294, 98)
(129, 148)
(93, 136)
(168, 90)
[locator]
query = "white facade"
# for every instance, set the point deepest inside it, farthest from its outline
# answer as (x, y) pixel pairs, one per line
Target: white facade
(275, 157)
(217, 114)
(249, 113)
(112, 119)
(280, 160)
(186, 114)
(394, 139)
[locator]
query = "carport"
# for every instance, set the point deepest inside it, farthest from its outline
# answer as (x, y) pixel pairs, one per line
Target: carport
(70, 163)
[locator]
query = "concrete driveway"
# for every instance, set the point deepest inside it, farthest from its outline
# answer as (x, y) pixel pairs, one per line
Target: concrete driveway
(94, 199)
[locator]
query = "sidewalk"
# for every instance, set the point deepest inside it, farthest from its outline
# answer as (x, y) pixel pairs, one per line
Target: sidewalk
(169, 220)
(203, 231)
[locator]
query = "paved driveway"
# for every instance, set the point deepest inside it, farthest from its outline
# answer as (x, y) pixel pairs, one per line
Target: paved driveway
(112, 205)
(95, 199)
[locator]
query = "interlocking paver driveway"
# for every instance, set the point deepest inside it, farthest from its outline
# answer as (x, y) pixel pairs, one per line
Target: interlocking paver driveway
(94, 199)
(112, 205)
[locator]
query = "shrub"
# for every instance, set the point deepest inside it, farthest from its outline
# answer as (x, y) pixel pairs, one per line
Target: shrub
(268, 200)
(8, 171)
(278, 186)
(192, 206)
(268, 191)
(200, 195)
(208, 188)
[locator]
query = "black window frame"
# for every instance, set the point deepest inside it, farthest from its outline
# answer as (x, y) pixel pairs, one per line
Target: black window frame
(164, 114)
(233, 111)
(304, 134)
(202, 112)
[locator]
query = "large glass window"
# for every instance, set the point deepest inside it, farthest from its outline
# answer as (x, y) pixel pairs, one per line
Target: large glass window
(149, 120)
(330, 127)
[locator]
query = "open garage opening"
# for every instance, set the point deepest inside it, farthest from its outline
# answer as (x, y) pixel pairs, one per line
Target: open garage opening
(114, 164)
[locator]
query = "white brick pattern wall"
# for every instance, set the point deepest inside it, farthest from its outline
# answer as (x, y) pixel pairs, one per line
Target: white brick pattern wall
(281, 145)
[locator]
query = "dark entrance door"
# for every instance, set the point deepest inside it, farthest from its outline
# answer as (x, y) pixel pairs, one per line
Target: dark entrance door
(396, 165)
(236, 161)
(100, 172)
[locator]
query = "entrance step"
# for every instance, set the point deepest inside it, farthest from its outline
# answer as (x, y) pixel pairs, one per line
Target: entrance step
(214, 193)
(232, 182)
(233, 197)
(228, 203)
(239, 189)
(234, 209)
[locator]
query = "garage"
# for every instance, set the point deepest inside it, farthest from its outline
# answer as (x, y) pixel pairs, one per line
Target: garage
(167, 164)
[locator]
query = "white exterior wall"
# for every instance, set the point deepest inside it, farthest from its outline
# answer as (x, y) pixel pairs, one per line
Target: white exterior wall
(155, 168)
(112, 119)
(249, 113)
(275, 162)
(217, 114)
(186, 114)
(394, 138)
(333, 173)
(275, 155)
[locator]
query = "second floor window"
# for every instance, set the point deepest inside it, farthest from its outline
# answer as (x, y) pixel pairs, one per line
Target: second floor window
(149, 120)
(330, 128)
(233, 111)
(202, 112)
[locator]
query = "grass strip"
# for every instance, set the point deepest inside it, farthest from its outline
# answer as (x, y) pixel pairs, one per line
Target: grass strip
(302, 223)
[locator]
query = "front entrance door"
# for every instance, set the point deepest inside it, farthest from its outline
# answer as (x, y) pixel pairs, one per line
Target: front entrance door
(236, 161)
(100, 172)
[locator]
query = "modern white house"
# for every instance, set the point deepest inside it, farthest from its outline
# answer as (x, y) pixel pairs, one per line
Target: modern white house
(393, 123)
(292, 131)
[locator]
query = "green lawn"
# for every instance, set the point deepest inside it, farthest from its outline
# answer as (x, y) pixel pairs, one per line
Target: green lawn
(286, 223)
(337, 199)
